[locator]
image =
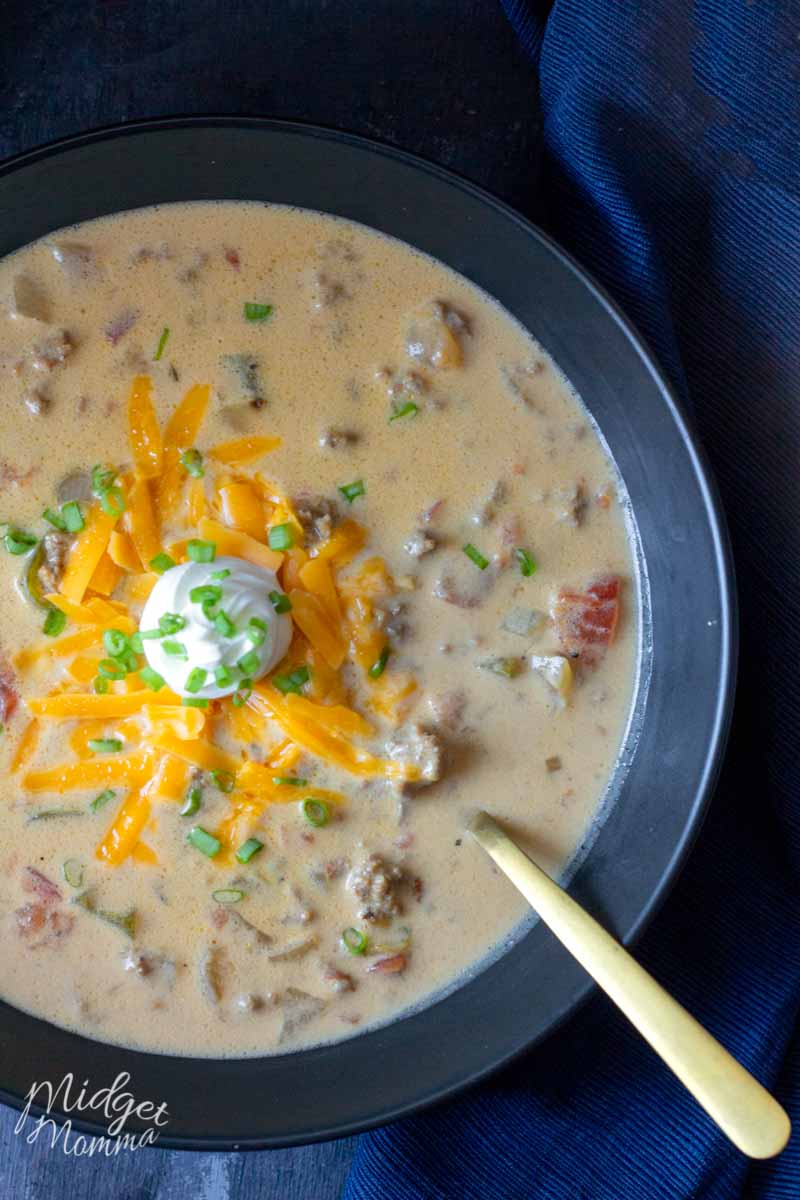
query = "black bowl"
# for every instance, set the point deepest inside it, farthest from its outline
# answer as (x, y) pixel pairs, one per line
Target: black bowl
(371, 1079)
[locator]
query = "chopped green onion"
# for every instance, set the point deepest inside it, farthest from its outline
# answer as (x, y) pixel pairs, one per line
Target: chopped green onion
(289, 781)
(175, 650)
(54, 622)
(53, 814)
(72, 516)
(113, 502)
(208, 593)
(171, 623)
(103, 478)
(227, 895)
(195, 679)
(354, 941)
(292, 682)
(151, 679)
(162, 341)
(102, 800)
(379, 666)
(280, 602)
(136, 643)
(194, 702)
(281, 537)
(256, 631)
(316, 812)
(161, 563)
(55, 519)
(149, 634)
(115, 642)
(249, 663)
(351, 491)
(111, 669)
(475, 556)
(223, 676)
(100, 685)
(409, 409)
(224, 781)
(201, 552)
(242, 693)
(526, 564)
(223, 574)
(128, 660)
(256, 312)
(73, 872)
(247, 851)
(192, 463)
(224, 625)
(16, 541)
(203, 841)
(105, 745)
(191, 804)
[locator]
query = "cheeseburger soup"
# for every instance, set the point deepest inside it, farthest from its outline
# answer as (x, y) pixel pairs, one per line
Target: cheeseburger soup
(308, 551)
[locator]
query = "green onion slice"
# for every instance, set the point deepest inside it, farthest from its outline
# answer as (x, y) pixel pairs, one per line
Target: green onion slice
(161, 563)
(351, 491)
(196, 679)
(191, 804)
(527, 565)
(248, 850)
(192, 463)
(201, 552)
(162, 341)
(354, 941)
(72, 516)
(175, 650)
(316, 812)
(171, 623)
(288, 781)
(223, 574)
(475, 556)
(242, 693)
(379, 666)
(54, 622)
(223, 676)
(409, 409)
(73, 872)
(55, 519)
(105, 745)
(115, 642)
(293, 682)
(111, 669)
(224, 625)
(249, 663)
(281, 537)
(223, 780)
(227, 895)
(204, 841)
(100, 685)
(207, 593)
(151, 679)
(256, 631)
(16, 541)
(256, 312)
(280, 602)
(136, 644)
(194, 702)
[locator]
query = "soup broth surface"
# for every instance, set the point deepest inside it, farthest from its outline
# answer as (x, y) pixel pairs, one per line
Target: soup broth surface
(487, 626)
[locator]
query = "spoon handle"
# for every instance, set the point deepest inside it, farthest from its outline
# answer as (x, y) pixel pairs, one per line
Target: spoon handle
(741, 1107)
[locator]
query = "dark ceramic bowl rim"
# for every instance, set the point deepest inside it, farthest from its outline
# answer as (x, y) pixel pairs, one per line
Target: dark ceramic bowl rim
(20, 1032)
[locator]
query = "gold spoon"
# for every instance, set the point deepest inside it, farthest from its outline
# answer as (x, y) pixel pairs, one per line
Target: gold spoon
(742, 1108)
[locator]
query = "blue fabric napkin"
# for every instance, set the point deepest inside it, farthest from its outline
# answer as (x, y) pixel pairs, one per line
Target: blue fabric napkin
(671, 169)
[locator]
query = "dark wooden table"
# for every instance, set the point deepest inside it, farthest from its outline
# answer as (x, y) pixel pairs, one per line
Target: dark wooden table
(445, 78)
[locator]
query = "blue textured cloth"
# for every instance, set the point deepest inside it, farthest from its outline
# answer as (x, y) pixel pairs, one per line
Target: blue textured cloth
(670, 168)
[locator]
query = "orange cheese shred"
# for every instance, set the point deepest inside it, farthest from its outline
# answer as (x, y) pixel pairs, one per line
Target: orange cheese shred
(143, 431)
(311, 617)
(122, 552)
(171, 778)
(103, 771)
(243, 509)
(86, 553)
(199, 752)
(72, 705)
(244, 450)
(180, 434)
(106, 576)
(317, 578)
(239, 545)
(26, 746)
(123, 833)
(347, 539)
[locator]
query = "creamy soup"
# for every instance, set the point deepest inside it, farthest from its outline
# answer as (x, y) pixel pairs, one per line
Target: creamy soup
(310, 552)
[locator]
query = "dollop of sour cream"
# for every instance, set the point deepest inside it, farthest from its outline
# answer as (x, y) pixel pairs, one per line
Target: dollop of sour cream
(204, 640)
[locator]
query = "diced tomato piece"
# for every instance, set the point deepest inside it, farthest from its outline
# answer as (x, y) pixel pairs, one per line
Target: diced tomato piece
(587, 621)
